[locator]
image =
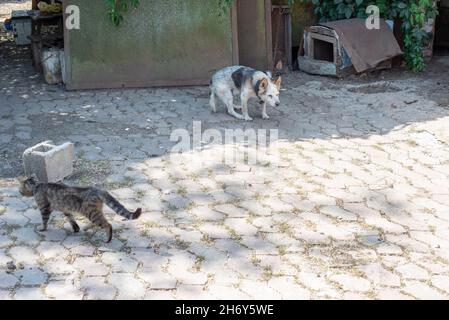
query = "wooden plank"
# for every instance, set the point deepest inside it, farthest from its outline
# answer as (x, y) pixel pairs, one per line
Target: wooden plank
(318, 67)
(322, 30)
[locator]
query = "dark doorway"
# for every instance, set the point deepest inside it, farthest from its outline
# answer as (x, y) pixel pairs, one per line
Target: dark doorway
(441, 44)
(254, 34)
(281, 23)
(323, 50)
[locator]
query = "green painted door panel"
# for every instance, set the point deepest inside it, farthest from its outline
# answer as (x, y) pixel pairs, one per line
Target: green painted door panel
(162, 42)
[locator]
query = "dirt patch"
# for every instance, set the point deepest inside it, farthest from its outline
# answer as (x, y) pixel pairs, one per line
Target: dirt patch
(375, 88)
(88, 173)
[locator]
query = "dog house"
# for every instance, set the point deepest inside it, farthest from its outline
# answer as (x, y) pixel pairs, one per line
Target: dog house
(344, 47)
(165, 42)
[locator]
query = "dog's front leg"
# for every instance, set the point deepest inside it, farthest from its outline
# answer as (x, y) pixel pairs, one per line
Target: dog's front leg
(244, 99)
(228, 100)
(264, 111)
(232, 112)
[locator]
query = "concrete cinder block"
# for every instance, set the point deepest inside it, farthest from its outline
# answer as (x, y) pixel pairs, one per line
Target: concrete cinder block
(50, 163)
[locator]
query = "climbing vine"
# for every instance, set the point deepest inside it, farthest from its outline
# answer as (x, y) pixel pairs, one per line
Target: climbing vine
(116, 9)
(413, 13)
(414, 17)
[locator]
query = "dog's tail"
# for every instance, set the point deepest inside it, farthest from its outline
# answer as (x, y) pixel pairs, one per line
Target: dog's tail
(212, 102)
(113, 203)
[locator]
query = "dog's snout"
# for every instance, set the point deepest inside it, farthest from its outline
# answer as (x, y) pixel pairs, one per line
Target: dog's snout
(278, 104)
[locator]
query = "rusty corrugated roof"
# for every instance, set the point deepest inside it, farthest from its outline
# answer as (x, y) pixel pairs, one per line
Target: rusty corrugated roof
(366, 48)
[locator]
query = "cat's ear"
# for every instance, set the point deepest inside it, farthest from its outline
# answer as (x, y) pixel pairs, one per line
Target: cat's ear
(22, 179)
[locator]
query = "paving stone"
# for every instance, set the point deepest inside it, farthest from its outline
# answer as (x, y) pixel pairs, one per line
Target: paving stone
(26, 236)
(128, 287)
(441, 282)
(83, 250)
(186, 276)
(30, 294)
(338, 213)
(214, 231)
(63, 290)
(90, 267)
(225, 292)
(392, 294)
(4, 259)
(255, 207)
(59, 266)
(241, 226)
(97, 289)
(288, 289)
(119, 262)
(313, 281)
(22, 254)
(7, 280)
(412, 271)
(352, 283)
(207, 214)
(14, 205)
(277, 205)
(149, 259)
(14, 218)
(386, 248)
(423, 291)
(53, 234)
(157, 279)
(159, 295)
(231, 210)
(5, 295)
(193, 292)
(48, 250)
(379, 276)
(31, 276)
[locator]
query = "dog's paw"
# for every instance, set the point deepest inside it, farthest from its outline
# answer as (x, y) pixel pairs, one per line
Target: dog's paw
(247, 118)
(265, 116)
(236, 115)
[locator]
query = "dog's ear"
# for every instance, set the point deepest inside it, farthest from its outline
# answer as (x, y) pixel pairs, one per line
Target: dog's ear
(263, 84)
(278, 82)
(279, 65)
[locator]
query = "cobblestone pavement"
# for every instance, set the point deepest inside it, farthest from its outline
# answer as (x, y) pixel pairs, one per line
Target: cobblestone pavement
(355, 207)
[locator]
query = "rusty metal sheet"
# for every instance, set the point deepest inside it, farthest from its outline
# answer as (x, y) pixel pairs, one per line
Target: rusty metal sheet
(366, 48)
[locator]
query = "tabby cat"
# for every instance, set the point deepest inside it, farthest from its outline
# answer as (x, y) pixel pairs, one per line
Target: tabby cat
(68, 200)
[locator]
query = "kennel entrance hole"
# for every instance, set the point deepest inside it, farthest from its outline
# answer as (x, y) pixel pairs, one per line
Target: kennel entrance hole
(323, 50)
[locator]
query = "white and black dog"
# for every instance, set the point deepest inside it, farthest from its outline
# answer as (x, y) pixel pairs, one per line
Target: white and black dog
(247, 83)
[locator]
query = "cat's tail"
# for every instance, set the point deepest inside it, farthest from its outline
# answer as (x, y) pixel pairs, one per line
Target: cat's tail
(113, 203)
